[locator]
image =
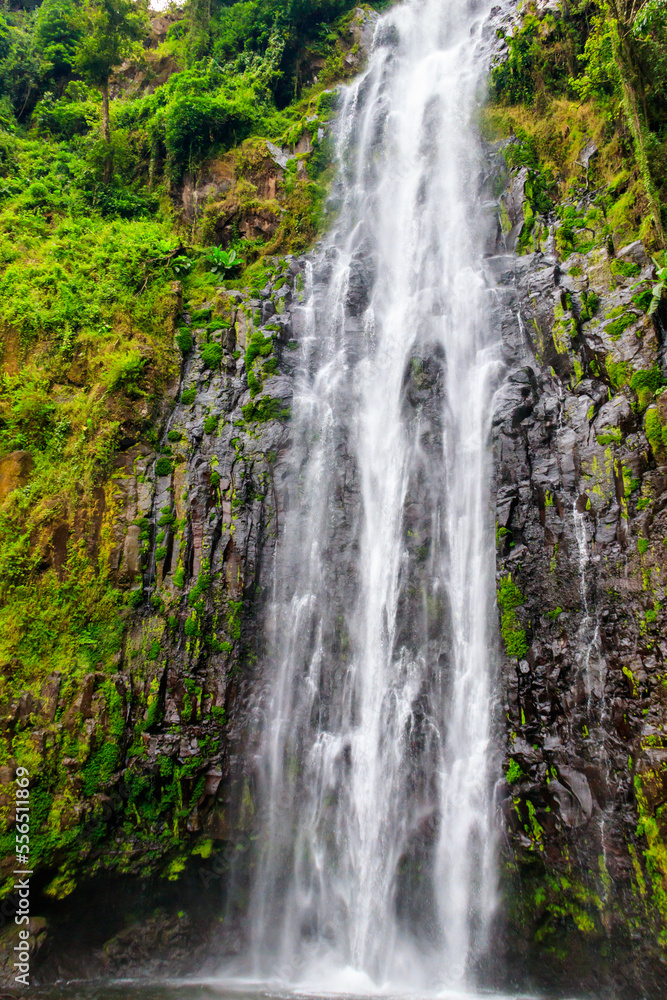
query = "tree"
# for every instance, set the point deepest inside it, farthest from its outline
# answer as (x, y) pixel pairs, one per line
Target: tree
(58, 31)
(112, 30)
(628, 19)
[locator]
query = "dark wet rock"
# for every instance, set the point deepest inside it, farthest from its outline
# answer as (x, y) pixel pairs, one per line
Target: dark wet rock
(581, 516)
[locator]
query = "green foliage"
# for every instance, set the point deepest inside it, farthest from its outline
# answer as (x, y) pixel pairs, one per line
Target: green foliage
(89, 245)
(541, 55)
(590, 302)
(211, 355)
(184, 340)
(111, 31)
(658, 289)
(656, 434)
(266, 408)
(181, 266)
(58, 34)
(618, 372)
(195, 124)
(222, 261)
(624, 268)
(167, 518)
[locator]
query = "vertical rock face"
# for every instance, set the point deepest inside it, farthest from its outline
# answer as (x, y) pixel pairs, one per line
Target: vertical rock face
(581, 558)
(144, 758)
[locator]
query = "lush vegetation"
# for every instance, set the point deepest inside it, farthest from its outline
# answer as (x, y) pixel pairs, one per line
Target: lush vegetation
(594, 71)
(102, 120)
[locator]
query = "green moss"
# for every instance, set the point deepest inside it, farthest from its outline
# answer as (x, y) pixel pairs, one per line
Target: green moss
(618, 372)
(163, 466)
(266, 408)
(654, 430)
(188, 396)
(513, 772)
(509, 599)
(650, 827)
(653, 379)
(616, 327)
(624, 268)
(175, 868)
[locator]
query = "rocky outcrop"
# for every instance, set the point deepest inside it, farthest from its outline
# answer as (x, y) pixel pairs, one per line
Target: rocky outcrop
(580, 530)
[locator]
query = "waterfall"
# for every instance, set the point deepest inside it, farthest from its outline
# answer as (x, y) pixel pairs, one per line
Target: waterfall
(376, 844)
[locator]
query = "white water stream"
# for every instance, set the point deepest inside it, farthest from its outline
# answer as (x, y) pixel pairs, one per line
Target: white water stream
(376, 859)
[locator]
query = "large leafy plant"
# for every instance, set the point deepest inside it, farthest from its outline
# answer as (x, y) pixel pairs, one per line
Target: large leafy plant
(222, 261)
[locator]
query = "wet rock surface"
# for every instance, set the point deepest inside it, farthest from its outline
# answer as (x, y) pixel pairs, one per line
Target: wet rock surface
(580, 532)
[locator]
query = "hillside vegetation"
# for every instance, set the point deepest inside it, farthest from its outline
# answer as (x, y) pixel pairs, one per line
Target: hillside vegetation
(109, 115)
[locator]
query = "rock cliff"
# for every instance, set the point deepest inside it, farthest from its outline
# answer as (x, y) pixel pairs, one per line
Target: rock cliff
(581, 558)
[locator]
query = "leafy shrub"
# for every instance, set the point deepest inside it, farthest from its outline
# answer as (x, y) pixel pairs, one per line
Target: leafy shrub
(195, 123)
(184, 340)
(163, 466)
(259, 345)
(127, 370)
(181, 265)
(201, 315)
(65, 119)
(222, 261)
(191, 626)
(167, 517)
(117, 199)
(211, 355)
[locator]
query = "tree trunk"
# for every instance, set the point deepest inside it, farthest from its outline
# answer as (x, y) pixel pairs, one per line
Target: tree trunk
(634, 122)
(106, 131)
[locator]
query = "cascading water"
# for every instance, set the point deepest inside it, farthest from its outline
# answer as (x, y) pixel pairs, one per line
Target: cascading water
(377, 837)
